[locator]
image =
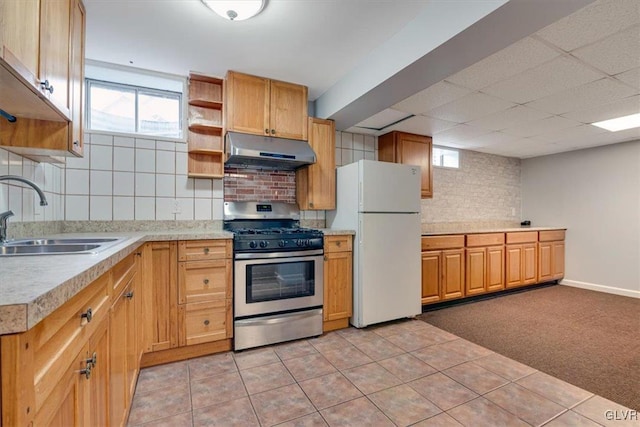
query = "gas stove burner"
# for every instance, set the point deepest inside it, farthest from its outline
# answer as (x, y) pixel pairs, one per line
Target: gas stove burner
(279, 230)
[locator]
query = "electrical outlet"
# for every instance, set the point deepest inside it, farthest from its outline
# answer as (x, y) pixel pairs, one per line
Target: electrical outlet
(176, 206)
(513, 211)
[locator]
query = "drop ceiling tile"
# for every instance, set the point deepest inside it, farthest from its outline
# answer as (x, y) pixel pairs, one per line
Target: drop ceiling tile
(576, 132)
(366, 131)
(439, 94)
(615, 54)
(618, 108)
(422, 125)
(594, 93)
(470, 107)
(604, 138)
(544, 126)
(457, 135)
(520, 56)
(383, 119)
(631, 77)
(592, 23)
(491, 140)
(509, 118)
(557, 75)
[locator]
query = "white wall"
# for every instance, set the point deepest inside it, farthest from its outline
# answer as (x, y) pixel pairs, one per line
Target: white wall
(595, 193)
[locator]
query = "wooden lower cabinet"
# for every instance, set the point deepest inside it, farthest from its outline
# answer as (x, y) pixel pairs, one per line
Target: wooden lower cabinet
(489, 262)
(208, 321)
(338, 282)
(97, 411)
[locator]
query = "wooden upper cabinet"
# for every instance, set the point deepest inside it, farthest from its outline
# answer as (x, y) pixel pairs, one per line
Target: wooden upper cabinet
(316, 183)
(409, 149)
(55, 40)
(19, 36)
(261, 106)
(76, 78)
(288, 110)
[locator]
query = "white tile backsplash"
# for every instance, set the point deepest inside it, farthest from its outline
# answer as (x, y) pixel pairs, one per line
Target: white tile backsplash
(358, 142)
(165, 185)
(76, 208)
(123, 141)
(164, 208)
(123, 183)
(101, 139)
(145, 160)
(203, 209)
(149, 144)
(101, 183)
(166, 145)
(165, 161)
(123, 159)
(102, 158)
(123, 209)
(145, 185)
(100, 208)
(186, 209)
(145, 208)
(77, 181)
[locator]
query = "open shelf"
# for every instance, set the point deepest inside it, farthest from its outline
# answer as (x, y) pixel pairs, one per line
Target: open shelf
(206, 130)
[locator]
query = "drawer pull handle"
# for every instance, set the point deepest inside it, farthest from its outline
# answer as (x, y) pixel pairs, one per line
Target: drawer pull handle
(129, 295)
(273, 131)
(87, 315)
(86, 371)
(206, 323)
(93, 359)
(266, 131)
(205, 281)
(338, 243)
(206, 250)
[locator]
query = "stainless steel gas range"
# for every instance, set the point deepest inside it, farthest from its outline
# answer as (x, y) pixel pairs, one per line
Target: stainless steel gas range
(278, 274)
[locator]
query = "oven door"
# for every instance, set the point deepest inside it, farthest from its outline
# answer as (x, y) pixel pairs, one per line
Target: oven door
(278, 281)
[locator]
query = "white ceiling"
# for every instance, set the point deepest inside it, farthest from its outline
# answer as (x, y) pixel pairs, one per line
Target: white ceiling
(539, 95)
(532, 98)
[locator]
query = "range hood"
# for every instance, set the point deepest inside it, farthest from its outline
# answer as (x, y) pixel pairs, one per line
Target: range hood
(265, 152)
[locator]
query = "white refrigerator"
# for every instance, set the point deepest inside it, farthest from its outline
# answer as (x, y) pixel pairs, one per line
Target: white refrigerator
(381, 201)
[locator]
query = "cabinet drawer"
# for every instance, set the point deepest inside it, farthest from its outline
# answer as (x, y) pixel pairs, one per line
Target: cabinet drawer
(61, 335)
(193, 250)
(442, 242)
(204, 280)
(205, 321)
(489, 239)
(122, 273)
(522, 237)
(549, 236)
(338, 243)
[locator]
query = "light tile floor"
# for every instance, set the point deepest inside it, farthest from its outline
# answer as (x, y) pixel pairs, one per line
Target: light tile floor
(403, 373)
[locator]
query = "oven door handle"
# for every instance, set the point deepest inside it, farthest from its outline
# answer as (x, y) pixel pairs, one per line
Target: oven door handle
(258, 255)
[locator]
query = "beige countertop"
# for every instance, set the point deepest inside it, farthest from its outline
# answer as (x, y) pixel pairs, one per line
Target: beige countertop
(489, 230)
(336, 232)
(32, 287)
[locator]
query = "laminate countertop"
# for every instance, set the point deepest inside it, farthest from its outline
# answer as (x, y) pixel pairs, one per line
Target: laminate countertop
(33, 286)
(489, 230)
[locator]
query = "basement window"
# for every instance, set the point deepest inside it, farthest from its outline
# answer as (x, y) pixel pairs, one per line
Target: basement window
(446, 157)
(122, 108)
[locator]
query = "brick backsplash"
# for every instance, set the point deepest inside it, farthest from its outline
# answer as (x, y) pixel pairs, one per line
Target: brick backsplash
(259, 185)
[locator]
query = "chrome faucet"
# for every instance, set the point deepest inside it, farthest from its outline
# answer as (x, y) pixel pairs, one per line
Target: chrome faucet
(5, 215)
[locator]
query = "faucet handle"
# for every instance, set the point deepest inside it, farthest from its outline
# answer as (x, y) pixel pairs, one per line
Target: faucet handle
(5, 215)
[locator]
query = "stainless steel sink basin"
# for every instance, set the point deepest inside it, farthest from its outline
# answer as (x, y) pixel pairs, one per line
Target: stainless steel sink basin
(47, 249)
(48, 242)
(57, 246)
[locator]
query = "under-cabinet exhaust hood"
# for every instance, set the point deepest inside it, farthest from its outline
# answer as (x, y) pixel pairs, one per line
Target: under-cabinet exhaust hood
(265, 152)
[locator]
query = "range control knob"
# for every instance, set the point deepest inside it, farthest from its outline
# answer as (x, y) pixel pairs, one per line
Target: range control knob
(308, 242)
(282, 243)
(253, 244)
(300, 242)
(264, 244)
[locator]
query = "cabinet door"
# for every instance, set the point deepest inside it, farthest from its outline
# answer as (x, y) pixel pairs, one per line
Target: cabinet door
(118, 338)
(476, 271)
(557, 250)
(98, 384)
(416, 150)
(20, 36)
(55, 26)
(452, 274)
(338, 285)
(67, 401)
(288, 110)
(431, 273)
(529, 263)
(132, 362)
(159, 294)
(514, 265)
(316, 184)
(545, 261)
(247, 104)
(76, 78)
(495, 268)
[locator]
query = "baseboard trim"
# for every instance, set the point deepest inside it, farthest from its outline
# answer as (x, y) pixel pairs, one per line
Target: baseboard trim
(601, 288)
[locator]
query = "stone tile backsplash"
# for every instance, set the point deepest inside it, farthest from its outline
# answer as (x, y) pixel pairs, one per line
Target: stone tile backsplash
(259, 185)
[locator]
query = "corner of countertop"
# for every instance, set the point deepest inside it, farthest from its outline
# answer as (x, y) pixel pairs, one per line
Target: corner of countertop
(336, 232)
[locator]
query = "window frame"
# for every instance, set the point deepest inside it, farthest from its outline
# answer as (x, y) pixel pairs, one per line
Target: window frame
(440, 165)
(89, 82)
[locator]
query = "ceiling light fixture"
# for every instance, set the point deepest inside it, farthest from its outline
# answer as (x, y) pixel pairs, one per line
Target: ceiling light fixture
(236, 10)
(620, 123)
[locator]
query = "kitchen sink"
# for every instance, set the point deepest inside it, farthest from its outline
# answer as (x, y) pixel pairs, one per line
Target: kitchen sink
(56, 246)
